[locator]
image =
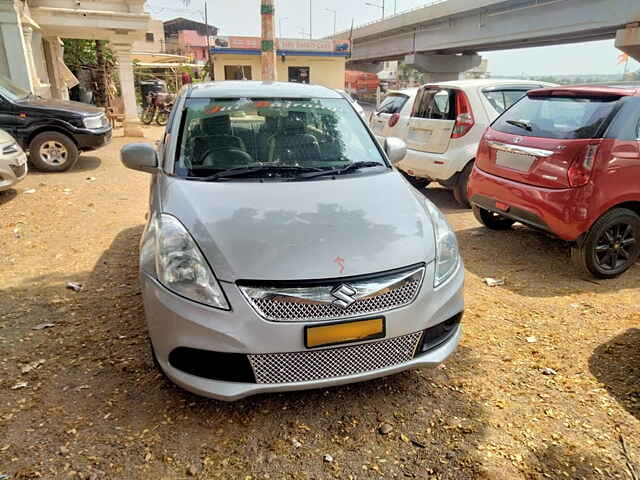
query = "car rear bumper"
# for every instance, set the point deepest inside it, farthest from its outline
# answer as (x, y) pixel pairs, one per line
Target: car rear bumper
(435, 166)
(562, 212)
(179, 328)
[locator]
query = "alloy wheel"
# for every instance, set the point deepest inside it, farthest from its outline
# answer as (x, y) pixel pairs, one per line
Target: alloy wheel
(615, 246)
(53, 153)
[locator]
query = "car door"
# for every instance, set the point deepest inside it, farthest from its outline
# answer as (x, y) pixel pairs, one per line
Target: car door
(432, 120)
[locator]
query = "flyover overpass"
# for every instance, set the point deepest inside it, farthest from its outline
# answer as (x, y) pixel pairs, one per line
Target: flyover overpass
(443, 38)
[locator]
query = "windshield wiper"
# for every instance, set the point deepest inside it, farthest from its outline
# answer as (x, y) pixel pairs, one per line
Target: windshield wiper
(351, 167)
(242, 171)
(524, 125)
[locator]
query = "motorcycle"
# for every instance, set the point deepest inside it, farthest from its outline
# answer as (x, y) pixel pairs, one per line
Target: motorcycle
(159, 107)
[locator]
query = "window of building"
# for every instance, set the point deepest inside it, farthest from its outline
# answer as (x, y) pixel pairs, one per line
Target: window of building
(149, 36)
(299, 74)
(237, 72)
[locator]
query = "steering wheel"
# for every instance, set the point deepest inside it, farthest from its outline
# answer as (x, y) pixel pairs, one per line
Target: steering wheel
(232, 157)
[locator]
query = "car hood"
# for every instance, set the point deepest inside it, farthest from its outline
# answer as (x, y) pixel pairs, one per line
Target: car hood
(6, 138)
(67, 106)
(317, 229)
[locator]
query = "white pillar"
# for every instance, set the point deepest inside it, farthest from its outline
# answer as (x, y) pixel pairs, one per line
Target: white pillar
(14, 44)
(132, 126)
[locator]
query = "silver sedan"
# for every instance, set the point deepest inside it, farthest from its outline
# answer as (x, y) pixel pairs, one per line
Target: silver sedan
(13, 162)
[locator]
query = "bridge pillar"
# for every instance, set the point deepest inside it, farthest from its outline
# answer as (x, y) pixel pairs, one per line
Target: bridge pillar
(442, 67)
(628, 40)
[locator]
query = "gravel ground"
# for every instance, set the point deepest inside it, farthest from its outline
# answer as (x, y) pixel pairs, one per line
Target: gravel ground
(546, 382)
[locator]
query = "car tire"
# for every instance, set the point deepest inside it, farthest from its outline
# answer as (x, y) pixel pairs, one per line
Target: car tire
(611, 246)
(53, 152)
(416, 182)
(460, 192)
(492, 221)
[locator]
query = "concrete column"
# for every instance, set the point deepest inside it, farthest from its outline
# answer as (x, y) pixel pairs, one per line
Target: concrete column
(27, 32)
(442, 68)
(14, 45)
(54, 57)
(628, 40)
(132, 126)
(269, 72)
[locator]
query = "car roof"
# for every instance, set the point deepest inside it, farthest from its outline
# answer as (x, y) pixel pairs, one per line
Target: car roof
(488, 82)
(257, 89)
(619, 89)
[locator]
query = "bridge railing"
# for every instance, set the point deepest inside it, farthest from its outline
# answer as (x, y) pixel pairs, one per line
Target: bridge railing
(395, 15)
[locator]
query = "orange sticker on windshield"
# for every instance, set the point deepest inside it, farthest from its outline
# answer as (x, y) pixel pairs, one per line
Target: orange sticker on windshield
(212, 110)
(262, 104)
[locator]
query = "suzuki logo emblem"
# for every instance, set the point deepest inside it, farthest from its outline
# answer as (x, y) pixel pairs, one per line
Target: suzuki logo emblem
(517, 140)
(344, 295)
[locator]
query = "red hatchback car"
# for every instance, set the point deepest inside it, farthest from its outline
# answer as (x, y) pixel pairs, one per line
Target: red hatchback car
(567, 160)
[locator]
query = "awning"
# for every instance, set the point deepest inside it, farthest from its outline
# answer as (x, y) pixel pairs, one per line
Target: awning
(148, 57)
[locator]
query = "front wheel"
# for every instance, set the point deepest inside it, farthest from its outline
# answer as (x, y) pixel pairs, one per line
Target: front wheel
(460, 192)
(492, 220)
(148, 115)
(53, 152)
(612, 245)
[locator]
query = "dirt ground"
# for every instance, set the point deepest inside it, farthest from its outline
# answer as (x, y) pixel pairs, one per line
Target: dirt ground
(546, 382)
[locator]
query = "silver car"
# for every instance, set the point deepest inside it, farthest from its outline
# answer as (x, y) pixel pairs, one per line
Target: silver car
(283, 251)
(13, 162)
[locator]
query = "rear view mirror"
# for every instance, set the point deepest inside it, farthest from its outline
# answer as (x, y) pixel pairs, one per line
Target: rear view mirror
(140, 156)
(395, 149)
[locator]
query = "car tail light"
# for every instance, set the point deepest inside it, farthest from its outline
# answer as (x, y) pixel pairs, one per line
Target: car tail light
(579, 172)
(393, 121)
(464, 120)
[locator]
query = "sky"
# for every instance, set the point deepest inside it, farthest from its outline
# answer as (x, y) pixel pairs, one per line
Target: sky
(242, 17)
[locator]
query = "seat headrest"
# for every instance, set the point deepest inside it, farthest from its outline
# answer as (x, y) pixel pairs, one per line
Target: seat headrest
(216, 125)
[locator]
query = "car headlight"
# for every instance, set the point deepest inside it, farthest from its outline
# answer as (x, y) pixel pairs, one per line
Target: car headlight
(93, 123)
(182, 268)
(13, 148)
(447, 254)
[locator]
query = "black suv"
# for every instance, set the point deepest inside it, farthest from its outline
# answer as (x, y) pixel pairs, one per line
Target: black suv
(54, 132)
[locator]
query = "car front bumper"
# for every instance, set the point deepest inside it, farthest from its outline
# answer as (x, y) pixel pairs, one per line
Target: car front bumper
(175, 323)
(12, 170)
(88, 140)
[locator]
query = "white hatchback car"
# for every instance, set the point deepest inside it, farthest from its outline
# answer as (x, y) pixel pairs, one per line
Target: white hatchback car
(13, 162)
(442, 124)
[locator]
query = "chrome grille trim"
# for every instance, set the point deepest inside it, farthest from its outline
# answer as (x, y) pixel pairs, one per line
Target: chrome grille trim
(316, 303)
(296, 367)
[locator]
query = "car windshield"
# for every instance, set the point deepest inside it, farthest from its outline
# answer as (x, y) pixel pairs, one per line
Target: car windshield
(283, 137)
(556, 117)
(393, 103)
(11, 91)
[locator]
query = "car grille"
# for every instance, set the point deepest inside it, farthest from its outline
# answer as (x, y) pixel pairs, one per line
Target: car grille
(376, 294)
(274, 368)
(18, 170)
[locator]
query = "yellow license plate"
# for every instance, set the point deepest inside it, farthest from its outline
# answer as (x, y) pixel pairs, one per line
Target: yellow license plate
(345, 332)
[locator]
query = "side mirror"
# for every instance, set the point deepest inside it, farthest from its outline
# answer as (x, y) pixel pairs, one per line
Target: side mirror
(140, 156)
(395, 149)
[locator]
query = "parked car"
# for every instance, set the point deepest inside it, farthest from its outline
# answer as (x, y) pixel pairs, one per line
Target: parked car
(54, 132)
(566, 160)
(442, 124)
(13, 162)
(358, 108)
(269, 261)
